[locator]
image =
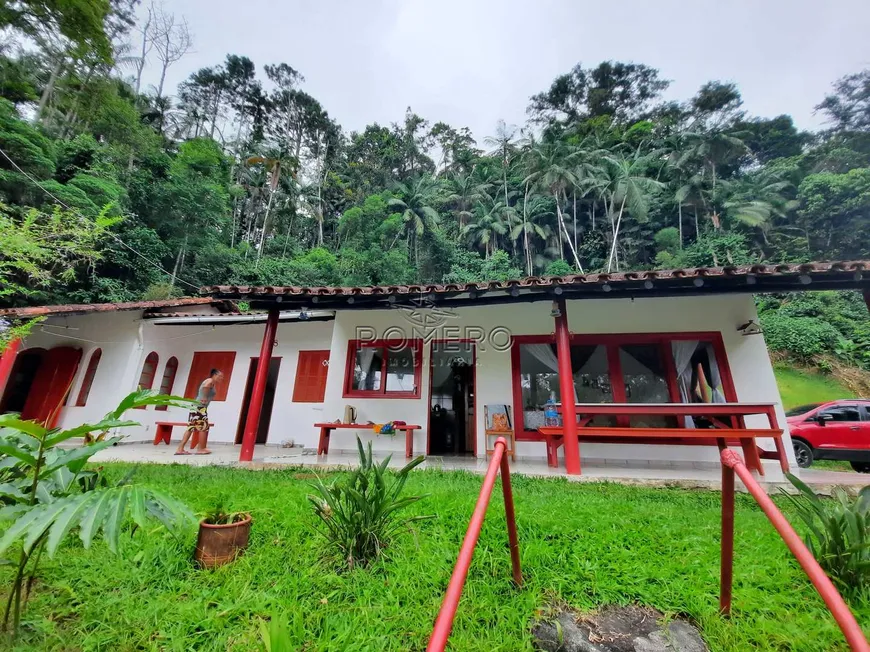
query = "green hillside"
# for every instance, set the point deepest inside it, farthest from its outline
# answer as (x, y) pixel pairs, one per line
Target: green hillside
(799, 387)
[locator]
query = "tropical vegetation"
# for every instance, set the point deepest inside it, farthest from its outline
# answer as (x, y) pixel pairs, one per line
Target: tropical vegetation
(240, 175)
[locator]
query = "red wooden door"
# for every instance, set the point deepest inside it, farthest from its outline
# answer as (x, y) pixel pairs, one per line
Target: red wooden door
(51, 384)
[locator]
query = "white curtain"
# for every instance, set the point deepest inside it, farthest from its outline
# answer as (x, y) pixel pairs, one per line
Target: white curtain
(683, 351)
(715, 377)
(365, 355)
(544, 354)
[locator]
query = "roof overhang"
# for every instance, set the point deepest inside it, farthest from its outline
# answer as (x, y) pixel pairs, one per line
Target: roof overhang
(148, 308)
(701, 281)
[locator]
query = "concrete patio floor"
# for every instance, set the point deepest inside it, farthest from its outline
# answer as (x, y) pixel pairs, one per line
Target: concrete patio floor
(691, 475)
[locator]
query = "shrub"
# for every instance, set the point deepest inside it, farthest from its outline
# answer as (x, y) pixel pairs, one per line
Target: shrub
(559, 268)
(47, 492)
(839, 535)
(802, 337)
(360, 514)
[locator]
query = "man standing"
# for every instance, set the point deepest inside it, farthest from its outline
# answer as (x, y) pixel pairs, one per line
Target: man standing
(197, 420)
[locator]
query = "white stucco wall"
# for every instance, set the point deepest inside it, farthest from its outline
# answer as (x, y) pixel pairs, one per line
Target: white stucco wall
(118, 335)
(125, 341)
(747, 356)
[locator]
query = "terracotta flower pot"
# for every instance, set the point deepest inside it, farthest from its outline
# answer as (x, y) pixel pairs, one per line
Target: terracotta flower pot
(217, 545)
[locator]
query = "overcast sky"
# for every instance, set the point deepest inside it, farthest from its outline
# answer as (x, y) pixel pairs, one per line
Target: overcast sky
(471, 62)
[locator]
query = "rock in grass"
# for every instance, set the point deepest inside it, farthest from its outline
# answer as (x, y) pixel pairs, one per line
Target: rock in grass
(617, 629)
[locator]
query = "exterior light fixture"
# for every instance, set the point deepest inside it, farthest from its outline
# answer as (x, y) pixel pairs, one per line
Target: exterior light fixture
(554, 311)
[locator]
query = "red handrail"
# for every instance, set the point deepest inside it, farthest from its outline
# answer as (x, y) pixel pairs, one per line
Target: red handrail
(444, 622)
(731, 464)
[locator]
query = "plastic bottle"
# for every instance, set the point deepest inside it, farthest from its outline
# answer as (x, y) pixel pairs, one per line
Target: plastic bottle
(551, 416)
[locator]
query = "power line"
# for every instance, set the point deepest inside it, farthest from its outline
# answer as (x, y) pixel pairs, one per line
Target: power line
(83, 219)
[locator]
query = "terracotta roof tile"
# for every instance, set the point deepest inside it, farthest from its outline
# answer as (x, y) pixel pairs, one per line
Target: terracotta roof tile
(629, 279)
(43, 311)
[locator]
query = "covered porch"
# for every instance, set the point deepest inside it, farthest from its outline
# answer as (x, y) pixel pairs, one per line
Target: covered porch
(614, 365)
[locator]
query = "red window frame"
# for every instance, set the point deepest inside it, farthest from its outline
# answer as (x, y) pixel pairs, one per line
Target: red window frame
(88, 378)
(168, 380)
(612, 342)
(312, 368)
(415, 345)
(146, 376)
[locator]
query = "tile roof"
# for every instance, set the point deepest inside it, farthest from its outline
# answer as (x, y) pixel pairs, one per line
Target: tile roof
(694, 280)
(79, 308)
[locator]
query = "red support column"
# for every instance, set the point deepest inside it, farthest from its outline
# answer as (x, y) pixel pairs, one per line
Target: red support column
(256, 406)
(566, 387)
(7, 361)
(867, 298)
(726, 563)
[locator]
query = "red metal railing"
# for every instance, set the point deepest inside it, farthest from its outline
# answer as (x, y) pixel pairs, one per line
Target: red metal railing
(731, 464)
(444, 622)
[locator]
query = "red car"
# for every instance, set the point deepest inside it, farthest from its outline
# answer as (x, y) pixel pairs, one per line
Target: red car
(839, 430)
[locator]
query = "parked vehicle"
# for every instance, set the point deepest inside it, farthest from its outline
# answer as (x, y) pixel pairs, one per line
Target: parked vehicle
(837, 430)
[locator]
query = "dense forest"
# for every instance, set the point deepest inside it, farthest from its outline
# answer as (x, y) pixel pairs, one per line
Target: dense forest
(111, 190)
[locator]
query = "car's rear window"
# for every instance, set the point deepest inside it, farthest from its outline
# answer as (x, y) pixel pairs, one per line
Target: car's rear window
(802, 409)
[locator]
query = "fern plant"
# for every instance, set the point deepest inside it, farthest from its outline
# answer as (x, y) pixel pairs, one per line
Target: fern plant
(360, 514)
(46, 492)
(839, 535)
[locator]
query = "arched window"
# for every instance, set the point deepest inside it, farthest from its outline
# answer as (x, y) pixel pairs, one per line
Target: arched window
(149, 370)
(88, 378)
(168, 380)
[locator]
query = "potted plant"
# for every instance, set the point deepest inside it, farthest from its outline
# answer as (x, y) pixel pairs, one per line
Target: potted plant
(223, 535)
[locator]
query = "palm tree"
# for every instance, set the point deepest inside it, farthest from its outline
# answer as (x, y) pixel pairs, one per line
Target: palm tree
(755, 199)
(536, 212)
(713, 149)
(627, 186)
(465, 191)
(488, 224)
(276, 162)
(504, 145)
(415, 202)
(552, 169)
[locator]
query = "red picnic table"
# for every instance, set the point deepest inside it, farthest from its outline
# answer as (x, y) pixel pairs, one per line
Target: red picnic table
(727, 420)
(327, 428)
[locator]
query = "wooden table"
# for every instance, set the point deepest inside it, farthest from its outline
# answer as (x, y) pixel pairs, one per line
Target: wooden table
(727, 420)
(327, 428)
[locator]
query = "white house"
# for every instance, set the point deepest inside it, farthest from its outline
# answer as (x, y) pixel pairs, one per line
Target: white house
(438, 357)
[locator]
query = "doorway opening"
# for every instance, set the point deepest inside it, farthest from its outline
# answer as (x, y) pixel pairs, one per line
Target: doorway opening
(451, 399)
(268, 400)
(21, 379)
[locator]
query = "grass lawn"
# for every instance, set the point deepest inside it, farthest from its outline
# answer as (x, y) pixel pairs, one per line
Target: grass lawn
(798, 387)
(581, 544)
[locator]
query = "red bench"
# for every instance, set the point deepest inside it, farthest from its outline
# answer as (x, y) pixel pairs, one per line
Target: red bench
(163, 433)
(327, 428)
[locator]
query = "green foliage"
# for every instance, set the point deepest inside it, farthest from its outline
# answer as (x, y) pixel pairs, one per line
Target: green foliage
(41, 250)
(840, 325)
(47, 492)
(802, 337)
(360, 514)
(218, 514)
(839, 535)
(559, 268)
(236, 177)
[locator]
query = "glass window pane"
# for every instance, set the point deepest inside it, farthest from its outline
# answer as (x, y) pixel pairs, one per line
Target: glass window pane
(843, 413)
(645, 381)
(644, 373)
(539, 381)
(591, 374)
(400, 370)
(367, 368)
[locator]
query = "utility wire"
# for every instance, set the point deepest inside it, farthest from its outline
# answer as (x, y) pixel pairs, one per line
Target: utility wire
(83, 219)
